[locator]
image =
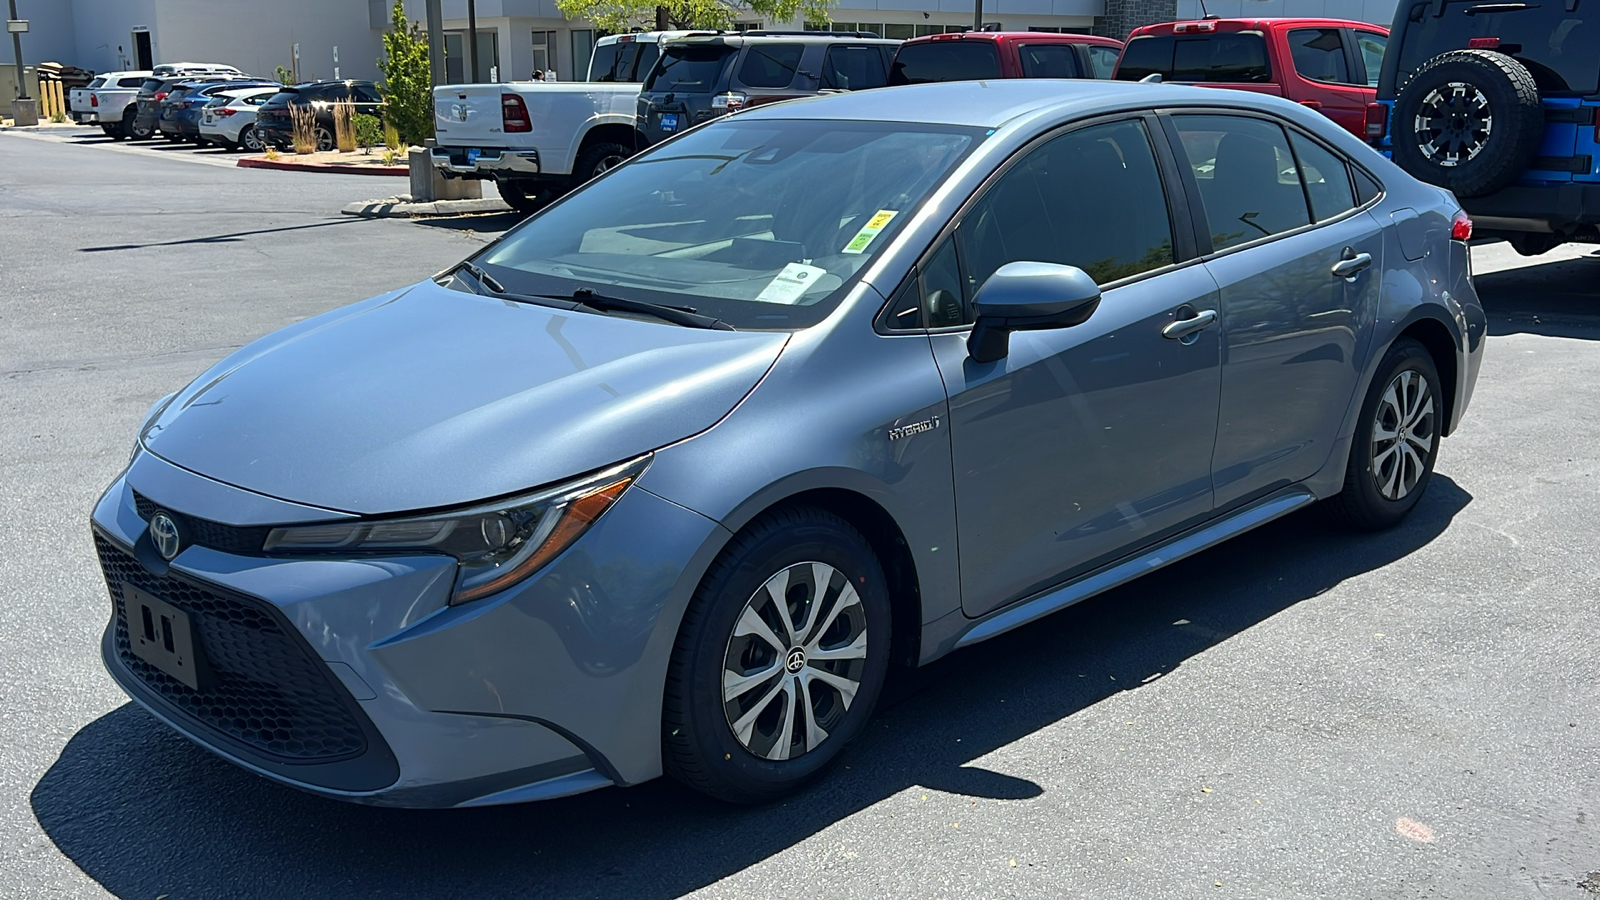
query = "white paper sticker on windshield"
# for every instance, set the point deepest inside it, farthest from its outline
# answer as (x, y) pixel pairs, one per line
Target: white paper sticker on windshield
(790, 284)
(879, 221)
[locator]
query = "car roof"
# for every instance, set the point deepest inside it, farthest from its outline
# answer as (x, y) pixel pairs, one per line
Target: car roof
(993, 103)
(1042, 37)
(735, 39)
(1253, 23)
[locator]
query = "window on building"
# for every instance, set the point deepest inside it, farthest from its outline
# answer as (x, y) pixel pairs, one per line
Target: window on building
(544, 52)
(582, 48)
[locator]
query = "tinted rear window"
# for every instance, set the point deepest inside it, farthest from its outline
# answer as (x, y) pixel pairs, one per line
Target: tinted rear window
(133, 82)
(770, 65)
(281, 98)
(689, 69)
(151, 85)
(1558, 47)
(1226, 57)
(603, 65)
(958, 60)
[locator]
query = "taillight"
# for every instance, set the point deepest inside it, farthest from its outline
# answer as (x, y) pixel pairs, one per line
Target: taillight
(732, 101)
(1377, 120)
(94, 99)
(1461, 227)
(514, 114)
(225, 112)
(160, 96)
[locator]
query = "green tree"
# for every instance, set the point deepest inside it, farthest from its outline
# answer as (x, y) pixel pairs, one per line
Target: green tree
(621, 15)
(407, 78)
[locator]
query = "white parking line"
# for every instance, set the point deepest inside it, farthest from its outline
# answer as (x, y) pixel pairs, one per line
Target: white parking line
(158, 150)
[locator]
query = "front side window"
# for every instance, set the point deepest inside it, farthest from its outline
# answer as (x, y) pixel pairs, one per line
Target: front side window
(1318, 54)
(758, 222)
(770, 65)
(1091, 198)
(849, 68)
(1248, 181)
(1048, 61)
(957, 60)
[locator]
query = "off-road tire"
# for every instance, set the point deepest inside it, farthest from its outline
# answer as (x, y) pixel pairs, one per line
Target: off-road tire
(598, 159)
(699, 746)
(1438, 109)
(1361, 504)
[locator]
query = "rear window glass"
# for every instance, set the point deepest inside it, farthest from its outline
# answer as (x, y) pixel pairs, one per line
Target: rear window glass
(98, 82)
(958, 60)
(770, 65)
(151, 85)
(603, 66)
(281, 98)
(1557, 46)
(1223, 58)
(849, 68)
(689, 69)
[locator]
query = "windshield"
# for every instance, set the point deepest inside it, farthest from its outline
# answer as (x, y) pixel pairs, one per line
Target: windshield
(691, 70)
(958, 60)
(760, 223)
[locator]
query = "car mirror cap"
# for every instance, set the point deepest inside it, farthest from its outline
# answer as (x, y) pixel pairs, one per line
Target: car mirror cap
(1027, 296)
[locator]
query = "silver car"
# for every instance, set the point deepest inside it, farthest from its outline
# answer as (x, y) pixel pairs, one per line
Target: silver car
(670, 476)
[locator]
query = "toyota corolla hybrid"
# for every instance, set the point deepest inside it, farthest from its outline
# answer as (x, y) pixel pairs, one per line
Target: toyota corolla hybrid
(668, 477)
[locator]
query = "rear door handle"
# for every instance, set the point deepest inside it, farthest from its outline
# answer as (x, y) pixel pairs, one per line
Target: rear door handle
(1352, 265)
(1184, 328)
(1311, 104)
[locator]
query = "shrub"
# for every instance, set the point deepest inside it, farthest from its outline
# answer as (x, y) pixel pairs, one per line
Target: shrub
(305, 129)
(344, 132)
(407, 80)
(368, 132)
(391, 136)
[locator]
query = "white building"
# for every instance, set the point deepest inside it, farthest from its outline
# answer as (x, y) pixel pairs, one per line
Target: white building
(1379, 12)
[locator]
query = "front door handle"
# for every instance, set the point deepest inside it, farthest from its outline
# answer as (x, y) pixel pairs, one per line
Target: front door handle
(1311, 104)
(1183, 329)
(1352, 264)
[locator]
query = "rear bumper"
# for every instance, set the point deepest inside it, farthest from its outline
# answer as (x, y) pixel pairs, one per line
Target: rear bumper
(85, 118)
(491, 162)
(1555, 208)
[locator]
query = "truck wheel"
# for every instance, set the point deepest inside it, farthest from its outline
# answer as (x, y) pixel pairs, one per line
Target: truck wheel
(520, 199)
(112, 131)
(598, 159)
(1469, 120)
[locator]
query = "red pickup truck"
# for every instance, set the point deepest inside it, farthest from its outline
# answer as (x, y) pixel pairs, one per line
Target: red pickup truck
(1327, 64)
(983, 55)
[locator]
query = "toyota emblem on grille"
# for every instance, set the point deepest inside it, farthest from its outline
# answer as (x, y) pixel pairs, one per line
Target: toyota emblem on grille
(164, 534)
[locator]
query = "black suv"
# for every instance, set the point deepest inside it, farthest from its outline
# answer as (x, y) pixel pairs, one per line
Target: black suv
(275, 125)
(1498, 102)
(702, 77)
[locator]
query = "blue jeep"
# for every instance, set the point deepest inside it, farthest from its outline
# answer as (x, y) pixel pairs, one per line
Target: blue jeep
(1500, 103)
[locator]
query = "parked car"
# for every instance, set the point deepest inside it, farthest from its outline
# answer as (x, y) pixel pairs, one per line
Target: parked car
(536, 139)
(181, 109)
(103, 101)
(275, 123)
(669, 476)
(1500, 104)
(147, 112)
(1329, 65)
(983, 55)
(168, 70)
(229, 118)
(700, 78)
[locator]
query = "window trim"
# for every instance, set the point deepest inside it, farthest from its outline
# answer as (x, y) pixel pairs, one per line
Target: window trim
(1203, 234)
(1344, 50)
(1185, 229)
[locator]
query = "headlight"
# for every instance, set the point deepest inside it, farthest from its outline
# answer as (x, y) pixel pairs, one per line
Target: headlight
(498, 544)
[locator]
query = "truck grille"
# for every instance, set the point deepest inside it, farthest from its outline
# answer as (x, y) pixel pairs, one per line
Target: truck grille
(265, 691)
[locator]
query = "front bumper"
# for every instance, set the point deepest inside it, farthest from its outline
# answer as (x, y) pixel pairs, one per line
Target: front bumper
(491, 161)
(354, 678)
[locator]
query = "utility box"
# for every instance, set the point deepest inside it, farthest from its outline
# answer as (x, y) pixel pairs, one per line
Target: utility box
(8, 83)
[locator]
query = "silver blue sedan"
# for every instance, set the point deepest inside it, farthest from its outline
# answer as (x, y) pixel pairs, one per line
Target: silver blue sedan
(670, 476)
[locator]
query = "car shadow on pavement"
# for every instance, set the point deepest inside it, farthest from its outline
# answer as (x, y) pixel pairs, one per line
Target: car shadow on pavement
(146, 813)
(1555, 299)
(483, 223)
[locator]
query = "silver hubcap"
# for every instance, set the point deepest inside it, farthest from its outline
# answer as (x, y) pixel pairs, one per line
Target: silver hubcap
(795, 661)
(607, 163)
(251, 142)
(1402, 435)
(1453, 124)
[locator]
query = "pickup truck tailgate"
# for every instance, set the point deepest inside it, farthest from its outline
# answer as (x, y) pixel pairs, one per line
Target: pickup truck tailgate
(470, 115)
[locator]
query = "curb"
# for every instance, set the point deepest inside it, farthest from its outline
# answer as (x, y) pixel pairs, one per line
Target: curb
(396, 209)
(259, 162)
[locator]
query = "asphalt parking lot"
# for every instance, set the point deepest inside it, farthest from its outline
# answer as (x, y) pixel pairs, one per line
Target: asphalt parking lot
(1301, 713)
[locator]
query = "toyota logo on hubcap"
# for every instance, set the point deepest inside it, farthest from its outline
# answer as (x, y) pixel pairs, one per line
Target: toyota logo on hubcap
(796, 660)
(164, 534)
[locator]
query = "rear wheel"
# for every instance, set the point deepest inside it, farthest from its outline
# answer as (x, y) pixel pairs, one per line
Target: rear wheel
(113, 131)
(522, 197)
(249, 140)
(599, 159)
(131, 126)
(1396, 440)
(779, 660)
(324, 140)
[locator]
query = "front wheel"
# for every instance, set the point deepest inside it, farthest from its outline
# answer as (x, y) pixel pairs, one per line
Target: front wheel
(250, 140)
(779, 660)
(1396, 440)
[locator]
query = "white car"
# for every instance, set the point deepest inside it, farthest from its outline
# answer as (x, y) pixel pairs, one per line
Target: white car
(101, 102)
(229, 118)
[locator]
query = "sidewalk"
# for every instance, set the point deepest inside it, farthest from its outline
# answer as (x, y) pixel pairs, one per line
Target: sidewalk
(330, 162)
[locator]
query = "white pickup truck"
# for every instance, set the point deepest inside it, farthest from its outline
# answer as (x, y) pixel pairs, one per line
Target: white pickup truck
(102, 101)
(536, 139)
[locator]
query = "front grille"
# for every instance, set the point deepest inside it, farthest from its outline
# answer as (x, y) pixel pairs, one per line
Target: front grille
(265, 690)
(204, 532)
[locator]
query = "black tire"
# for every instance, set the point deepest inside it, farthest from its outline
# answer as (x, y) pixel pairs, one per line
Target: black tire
(598, 159)
(1367, 501)
(516, 196)
(136, 132)
(325, 142)
(1442, 122)
(699, 745)
(113, 131)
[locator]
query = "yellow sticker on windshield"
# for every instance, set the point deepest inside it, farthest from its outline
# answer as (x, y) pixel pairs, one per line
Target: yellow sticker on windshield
(879, 221)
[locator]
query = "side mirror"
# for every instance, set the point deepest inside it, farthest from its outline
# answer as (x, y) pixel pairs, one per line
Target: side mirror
(1028, 296)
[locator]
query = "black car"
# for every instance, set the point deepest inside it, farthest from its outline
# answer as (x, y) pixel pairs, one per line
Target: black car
(1500, 103)
(156, 90)
(702, 77)
(275, 124)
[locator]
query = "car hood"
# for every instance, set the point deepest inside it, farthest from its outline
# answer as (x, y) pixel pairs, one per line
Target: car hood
(430, 397)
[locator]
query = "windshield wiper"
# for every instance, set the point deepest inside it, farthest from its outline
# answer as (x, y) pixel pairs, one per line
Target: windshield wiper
(484, 279)
(677, 315)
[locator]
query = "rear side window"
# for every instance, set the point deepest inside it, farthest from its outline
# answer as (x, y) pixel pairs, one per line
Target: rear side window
(957, 60)
(367, 95)
(770, 65)
(1048, 61)
(1371, 46)
(1326, 177)
(1103, 60)
(1557, 46)
(1247, 176)
(1318, 54)
(1223, 58)
(852, 68)
(130, 82)
(689, 69)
